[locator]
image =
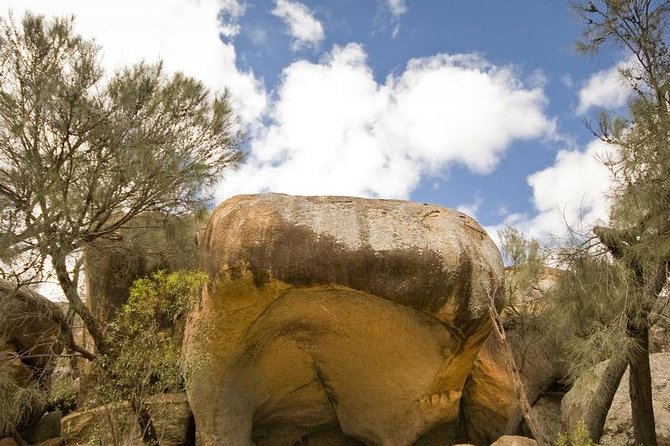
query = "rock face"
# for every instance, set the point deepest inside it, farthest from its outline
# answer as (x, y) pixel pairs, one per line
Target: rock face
(117, 424)
(148, 243)
(336, 314)
(618, 430)
(513, 440)
(47, 427)
(29, 343)
(29, 322)
(490, 408)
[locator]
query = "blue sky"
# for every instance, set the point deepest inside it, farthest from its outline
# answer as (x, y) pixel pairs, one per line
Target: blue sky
(477, 105)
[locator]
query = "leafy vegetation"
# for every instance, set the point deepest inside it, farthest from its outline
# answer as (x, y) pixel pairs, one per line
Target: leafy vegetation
(82, 155)
(638, 237)
(145, 344)
(576, 437)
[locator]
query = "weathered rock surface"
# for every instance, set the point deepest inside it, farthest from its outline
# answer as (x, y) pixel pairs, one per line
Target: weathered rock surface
(490, 408)
(547, 413)
(513, 440)
(110, 424)
(172, 417)
(29, 342)
(57, 441)
(116, 423)
(148, 243)
(29, 322)
(46, 428)
(618, 429)
(322, 311)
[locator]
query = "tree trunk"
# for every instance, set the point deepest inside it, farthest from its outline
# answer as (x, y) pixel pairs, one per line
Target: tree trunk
(519, 390)
(72, 294)
(644, 428)
(596, 414)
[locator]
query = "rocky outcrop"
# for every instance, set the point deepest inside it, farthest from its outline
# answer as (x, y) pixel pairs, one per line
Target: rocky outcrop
(46, 428)
(618, 430)
(146, 244)
(116, 423)
(513, 440)
(29, 343)
(489, 406)
(29, 322)
(110, 424)
(361, 314)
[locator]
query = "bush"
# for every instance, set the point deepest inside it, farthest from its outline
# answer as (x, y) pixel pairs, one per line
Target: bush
(19, 402)
(577, 437)
(144, 357)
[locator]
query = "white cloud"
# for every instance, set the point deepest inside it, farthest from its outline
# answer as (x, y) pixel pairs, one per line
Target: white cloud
(397, 7)
(606, 89)
(335, 130)
(573, 192)
(229, 13)
(471, 209)
(184, 33)
(302, 26)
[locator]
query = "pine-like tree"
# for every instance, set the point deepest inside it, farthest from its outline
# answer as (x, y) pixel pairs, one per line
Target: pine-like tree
(82, 154)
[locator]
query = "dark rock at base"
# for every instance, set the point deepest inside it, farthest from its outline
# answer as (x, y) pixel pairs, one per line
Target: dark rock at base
(47, 427)
(58, 441)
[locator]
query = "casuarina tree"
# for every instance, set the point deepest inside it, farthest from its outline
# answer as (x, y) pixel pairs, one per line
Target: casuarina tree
(82, 152)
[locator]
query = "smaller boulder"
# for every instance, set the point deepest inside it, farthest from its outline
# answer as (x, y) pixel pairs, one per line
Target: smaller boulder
(96, 424)
(52, 442)
(513, 440)
(170, 415)
(46, 428)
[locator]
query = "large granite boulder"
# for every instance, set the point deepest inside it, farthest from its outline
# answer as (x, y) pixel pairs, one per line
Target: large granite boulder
(330, 313)
(618, 430)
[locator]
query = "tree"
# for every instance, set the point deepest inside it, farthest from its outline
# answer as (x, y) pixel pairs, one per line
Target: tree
(585, 316)
(639, 235)
(82, 155)
(524, 265)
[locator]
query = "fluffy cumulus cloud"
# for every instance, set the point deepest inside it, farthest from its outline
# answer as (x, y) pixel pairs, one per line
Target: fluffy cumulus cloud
(302, 26)
(185, 34)
(335, 130)
(331, 127)
(570, 193)
(604, 89)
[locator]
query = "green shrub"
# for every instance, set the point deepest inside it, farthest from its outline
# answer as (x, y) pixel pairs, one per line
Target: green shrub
(577, 437)
(144, 356)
